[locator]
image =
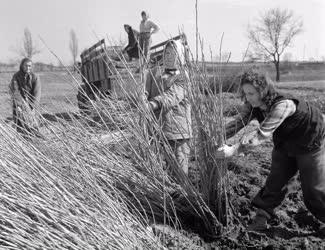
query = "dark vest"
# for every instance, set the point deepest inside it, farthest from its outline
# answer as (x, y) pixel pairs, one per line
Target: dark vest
(300, 133)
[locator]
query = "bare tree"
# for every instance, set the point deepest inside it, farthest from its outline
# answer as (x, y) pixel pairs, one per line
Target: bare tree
(29, 48)
(272, 33)
(73, 46)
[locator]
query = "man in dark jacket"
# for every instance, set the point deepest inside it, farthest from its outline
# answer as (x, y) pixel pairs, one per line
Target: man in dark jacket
(131, 49)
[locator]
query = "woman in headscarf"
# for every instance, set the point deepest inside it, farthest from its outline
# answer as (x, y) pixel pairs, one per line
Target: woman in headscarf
(298, 131)
(131, 49)
(166, 94)
(25, 90)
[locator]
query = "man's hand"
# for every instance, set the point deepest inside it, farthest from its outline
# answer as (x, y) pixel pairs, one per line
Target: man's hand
(153, 105)
(150, 105)
(19, 109)
(142, 100)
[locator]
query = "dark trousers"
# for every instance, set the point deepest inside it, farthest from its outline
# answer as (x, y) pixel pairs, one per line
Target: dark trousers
(132, 52)
(144, 46)
(312, 175)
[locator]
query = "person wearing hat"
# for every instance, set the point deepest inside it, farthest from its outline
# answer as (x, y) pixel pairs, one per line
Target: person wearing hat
(167, 96)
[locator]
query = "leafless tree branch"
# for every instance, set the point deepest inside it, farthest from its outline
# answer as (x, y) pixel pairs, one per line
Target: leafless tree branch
(272, 33)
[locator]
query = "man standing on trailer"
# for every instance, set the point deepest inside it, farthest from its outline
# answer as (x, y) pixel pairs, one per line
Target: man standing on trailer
(147, 28)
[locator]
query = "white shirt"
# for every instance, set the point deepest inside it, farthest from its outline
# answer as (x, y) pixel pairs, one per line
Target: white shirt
(146, 26)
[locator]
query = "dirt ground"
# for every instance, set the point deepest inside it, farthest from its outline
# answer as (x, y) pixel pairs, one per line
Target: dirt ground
(293, 227)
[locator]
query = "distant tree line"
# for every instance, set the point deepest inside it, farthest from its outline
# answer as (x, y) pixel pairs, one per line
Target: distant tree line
(37, 66)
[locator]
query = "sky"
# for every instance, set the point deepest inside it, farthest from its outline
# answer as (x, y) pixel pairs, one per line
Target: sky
(91, 20)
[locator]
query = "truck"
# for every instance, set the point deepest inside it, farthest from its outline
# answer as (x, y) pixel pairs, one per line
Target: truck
(100, 70)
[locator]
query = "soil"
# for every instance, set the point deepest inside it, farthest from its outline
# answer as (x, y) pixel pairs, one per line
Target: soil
(293, 227)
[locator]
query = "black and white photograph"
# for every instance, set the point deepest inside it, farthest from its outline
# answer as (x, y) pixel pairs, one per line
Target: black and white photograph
(162, 124)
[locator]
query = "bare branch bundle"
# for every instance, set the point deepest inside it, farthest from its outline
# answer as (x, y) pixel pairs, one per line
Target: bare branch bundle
(56, 202)
(82, 187)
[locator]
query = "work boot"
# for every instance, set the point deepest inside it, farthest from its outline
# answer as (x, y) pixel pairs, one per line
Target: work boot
(259, 222)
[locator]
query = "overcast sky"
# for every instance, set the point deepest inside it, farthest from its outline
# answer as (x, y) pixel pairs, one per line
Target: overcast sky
(53, 20)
